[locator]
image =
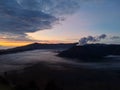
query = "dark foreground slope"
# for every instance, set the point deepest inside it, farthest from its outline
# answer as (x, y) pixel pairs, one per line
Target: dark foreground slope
(36, 46)
(91, 51)
(62, 77)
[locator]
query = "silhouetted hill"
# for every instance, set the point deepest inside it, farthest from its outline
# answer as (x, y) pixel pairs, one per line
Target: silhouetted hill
(91, 51)
(35, 46)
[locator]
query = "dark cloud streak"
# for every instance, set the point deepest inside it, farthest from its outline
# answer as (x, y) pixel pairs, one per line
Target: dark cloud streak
(115, 37)
(18, 38)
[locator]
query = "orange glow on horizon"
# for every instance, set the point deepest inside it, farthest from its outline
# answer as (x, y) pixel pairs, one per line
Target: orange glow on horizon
(19, 43)
(48, 39)
(14, 43)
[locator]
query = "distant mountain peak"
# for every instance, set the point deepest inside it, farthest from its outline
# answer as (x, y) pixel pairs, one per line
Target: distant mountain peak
(36, 43)
(33, 44)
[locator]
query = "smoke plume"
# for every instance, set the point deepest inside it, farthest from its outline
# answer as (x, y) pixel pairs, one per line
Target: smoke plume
(91, 39)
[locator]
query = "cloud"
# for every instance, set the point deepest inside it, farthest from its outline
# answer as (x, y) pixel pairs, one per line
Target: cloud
(51, 6)
(86, 40)
(15, 19)
(22, 16)
(115, 37)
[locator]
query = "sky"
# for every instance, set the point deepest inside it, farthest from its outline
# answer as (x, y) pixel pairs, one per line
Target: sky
(59, 21)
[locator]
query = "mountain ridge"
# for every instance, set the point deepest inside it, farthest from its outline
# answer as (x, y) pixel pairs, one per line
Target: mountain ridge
(91, 51)
(35, 46)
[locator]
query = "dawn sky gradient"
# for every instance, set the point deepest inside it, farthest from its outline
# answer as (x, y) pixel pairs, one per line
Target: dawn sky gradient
(58, 21)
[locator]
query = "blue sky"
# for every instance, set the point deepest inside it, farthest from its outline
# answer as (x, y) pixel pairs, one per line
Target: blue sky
(59, 20)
